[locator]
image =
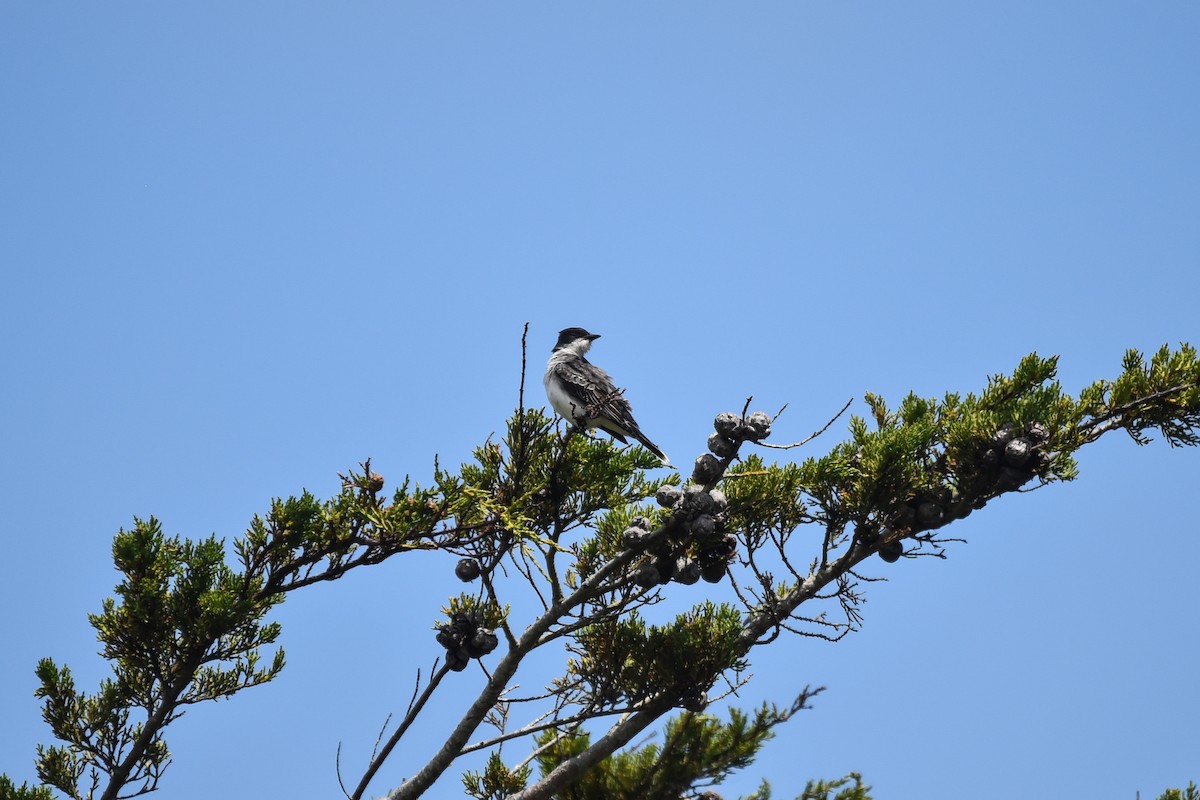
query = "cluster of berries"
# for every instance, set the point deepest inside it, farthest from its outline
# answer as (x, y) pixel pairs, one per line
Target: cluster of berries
(928, 509)
(698, 546)
(694, 700)
(730, 431)
(1007, 461)
(465, 638)
(701, 530)
(1014, 455)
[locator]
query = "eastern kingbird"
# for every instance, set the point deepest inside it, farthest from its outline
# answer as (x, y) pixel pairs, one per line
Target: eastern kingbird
(584, 394)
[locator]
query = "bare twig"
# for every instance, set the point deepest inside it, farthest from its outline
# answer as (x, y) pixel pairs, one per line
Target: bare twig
(337, 766)
(540, 724)
(521, 393)
(813, 436)
(413, 711)
(388, 720)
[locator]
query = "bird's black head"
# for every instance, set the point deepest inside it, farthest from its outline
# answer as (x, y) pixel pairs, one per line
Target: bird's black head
(568, 335)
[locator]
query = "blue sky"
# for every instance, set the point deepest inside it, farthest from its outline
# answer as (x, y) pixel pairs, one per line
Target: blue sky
(248, 245)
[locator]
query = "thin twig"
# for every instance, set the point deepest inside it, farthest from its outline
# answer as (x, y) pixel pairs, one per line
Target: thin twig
(388, 720)
(413, 711)
(539, 725)
(337, 766)
(521, 394)
(810, 438)
(504, 626)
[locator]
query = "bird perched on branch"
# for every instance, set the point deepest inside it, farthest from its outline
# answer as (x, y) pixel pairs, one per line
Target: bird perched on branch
(585, 394)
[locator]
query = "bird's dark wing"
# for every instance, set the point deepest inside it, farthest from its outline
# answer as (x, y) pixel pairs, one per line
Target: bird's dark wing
(595, 396)
(584, 392)
(599, 402)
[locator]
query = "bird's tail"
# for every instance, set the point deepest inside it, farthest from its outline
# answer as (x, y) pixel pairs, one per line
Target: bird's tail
(653, 448)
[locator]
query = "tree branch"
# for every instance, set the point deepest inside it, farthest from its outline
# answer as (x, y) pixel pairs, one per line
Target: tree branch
(413, 711)
(619, 735)
(505, 669)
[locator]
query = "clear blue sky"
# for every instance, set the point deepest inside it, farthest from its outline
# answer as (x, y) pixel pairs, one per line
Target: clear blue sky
(247, 245)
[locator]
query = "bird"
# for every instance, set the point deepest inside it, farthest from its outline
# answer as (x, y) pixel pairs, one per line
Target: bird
(586, 395)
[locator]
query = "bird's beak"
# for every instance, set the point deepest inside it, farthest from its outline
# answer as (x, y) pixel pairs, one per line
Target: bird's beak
(591, 337)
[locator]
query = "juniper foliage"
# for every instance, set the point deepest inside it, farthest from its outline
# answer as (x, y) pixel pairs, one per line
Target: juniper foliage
(598, 541)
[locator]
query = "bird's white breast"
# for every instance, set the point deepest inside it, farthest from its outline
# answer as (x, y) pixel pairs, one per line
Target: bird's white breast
(562, 402)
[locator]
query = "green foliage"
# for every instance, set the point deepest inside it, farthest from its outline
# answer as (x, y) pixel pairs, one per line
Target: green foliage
(947, 451)
(184, 627)
(496, 781)
(927, 446)
(850, 787)
(697, 750)
(1190, 793)
(10, 791)
(559, 490)
(1164, 394)
(605, 543)
(527, 492)
(763, 792)
(183, 609)
(766, 499)
(187, 629)
(626, 659)
(490, 615)
(824, 790)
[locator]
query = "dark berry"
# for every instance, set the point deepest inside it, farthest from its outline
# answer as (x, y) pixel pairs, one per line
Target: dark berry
(482, 643)
(1004, 435)
(758, 426)
(721, 446)
(661, 546)
(632, 537)
(687, 572)
(1036, 432)
(467, 570)
(695, 701)
(645, 576)
(666, 568)
(891, 552)
(457, 660)
(668, 496)
(707, 469)
(703, 526)
(1011, 478)
(930, 514)
(697, 501)
(1016, 452)
(727, 424)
